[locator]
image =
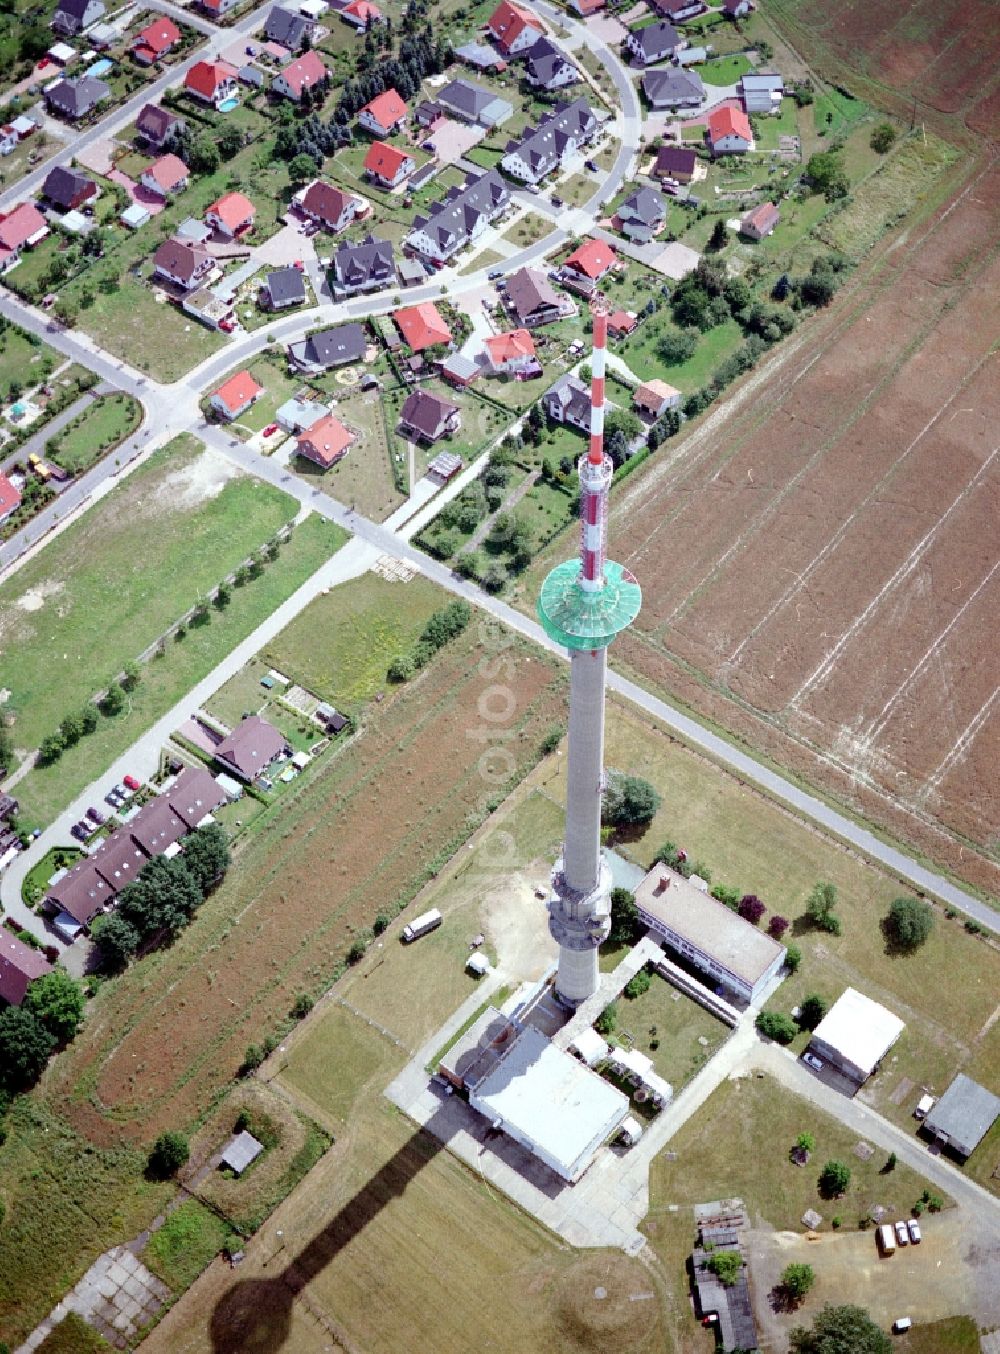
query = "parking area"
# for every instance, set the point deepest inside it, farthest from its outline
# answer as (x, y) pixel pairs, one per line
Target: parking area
(451, 139)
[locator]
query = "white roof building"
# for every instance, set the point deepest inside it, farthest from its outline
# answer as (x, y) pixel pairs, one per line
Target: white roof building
(550, 1103)
(134, 216)
(855, 1034)
(589, 1047)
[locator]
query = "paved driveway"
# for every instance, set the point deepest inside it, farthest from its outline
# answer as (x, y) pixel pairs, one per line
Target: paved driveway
(452, 139)
(288, 245)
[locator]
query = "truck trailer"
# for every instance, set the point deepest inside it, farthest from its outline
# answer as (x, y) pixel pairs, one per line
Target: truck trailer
(419, 926)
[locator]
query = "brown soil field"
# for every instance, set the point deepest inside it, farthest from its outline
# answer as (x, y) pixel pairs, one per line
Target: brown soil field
(372, 821)
(819, 557)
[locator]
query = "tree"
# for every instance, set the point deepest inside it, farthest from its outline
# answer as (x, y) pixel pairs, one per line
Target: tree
(726, 1266)
(114, 701)
(825, 172)
(88, 718)
(841, 1330)
(57, 1001)
(751, 909)
(719, 237)
(817, 289)
(71, 728)
(301, 167)
(676, 346)
(793, 958)
(162, 898)
(820, 907)
(638, 984)
(6, 750)
(25, 1046)
(622, 421)
(608, 1019)
(206, 855)
(909, 922)
(169, 1154)
(628, 800)
(117, 941)
(882, 137)
(777, 926)
(229, 141)
(626, 928)
(203, 155)
(811, 1011)
(806, 1142)
(777, 1026)
(51, 748)
(130, 677)
(796, 1280)
(834, 1179)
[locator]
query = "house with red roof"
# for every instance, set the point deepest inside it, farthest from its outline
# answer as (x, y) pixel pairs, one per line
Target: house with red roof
(9, 498)
(362, 14)
(512, 354)
(728, 131)
(304, 74)
(211, 81)
(592, 260)
(387, 165)
(587, 7)
(153, 42)
(385, 113)
(231, 215)
(513, 28)
(235, 396)
(329, 207)
(216, 8)
(169, 174)
(20, 965)
(760, 221)
(622, 322)
(325, 441)
(20, 229)
(422, 326)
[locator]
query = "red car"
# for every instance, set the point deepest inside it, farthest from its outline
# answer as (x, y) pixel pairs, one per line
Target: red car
(270, 430)
(299, 264)
(131, 782)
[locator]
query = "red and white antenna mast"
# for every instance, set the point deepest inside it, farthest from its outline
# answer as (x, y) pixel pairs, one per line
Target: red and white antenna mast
(595, 468)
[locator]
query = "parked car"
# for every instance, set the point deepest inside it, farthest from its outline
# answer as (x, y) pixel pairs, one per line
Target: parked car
(131, 783)
(122, 792)
(113, 798)
(591, 165)
(902, 1235)
(81, 831)
(494, 273)
(270, 430)
(913, 1227)
(812, 1061)
(556, 201)
(96, 816)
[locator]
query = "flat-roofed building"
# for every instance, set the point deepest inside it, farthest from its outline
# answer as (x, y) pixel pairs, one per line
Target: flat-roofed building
(963, 1116)
(855, 1035)
(707, 934)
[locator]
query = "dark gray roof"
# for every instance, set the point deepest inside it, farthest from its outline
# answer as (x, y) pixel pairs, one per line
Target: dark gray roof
(286, 285)
(645, 205)
(655, 40)
(285, 27)
(544, 61)
(425, 412)
(62, 185)
(76, 9)
(543, 146)
(964, 1114)
(529, 290)
(155, 121)
(672, 160)
(75, 98)
(331, 347)
(572, 396)
(240, 1151)
(369, 264)
(672, 85)
(737, 1328)
(468, 98)
(452, 220)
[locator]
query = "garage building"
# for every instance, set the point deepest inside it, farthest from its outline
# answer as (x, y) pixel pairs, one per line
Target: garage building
(855, 1035)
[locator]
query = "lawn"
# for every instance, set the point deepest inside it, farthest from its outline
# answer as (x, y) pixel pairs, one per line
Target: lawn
(481, 423)
(640, 353)
(270, 370)
(155, 336)
(953, 1335)
(724, 70)
(20, 352)
(667, 1026)
(105, 422)
(73, 1336)
(364, 476)
(528, 230)
(189, 1239)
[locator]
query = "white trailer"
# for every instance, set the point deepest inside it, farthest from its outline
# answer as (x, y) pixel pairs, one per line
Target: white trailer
(886, 1238)
(419, 926)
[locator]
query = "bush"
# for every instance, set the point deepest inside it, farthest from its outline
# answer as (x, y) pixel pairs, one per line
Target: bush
(637, 985)
(777, 1026)
(820, 908)
(793, 958)
(751, 909)
(359, 948)
(252, 1059)
(382, 922)
(628, 800)
(301, 1006)
(909, 922)
(834, 1179)
(169, 1153)
(777, 926)
(607, 1020)
(796, 1280)
(729, 897)
(57, 1001)
(811, 1011)
(552, 739)
(25, 1046)
(882, 138)
(626, 928)
(726, 1266)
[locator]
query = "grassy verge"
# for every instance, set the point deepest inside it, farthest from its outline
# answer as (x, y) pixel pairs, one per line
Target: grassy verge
(105, 422)
(190, 1238)
(495, 999)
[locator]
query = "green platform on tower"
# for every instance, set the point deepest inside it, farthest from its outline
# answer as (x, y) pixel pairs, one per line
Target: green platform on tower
(582, 619)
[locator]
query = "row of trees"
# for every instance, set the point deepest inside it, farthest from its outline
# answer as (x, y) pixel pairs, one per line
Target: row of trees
(48, 1018)
(446, 624)
(73, 727)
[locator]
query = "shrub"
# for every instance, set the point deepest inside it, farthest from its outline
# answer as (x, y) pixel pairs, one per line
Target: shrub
(882, 138)
(169, 1153)
(777, 1026)
(381, 922)
(628, 800)
(626, 928)
(252, 1059)
(751, 908)
(796, 1280)
(637, 985)
(607, 1020)
(552, 739)
(793, 958)
(729, 897)
(358, 949)
(834, 1179)
(909, 922)
(811, 1011)
(302, 1005)
(726, 1266)
(820, 908)
(777, 926)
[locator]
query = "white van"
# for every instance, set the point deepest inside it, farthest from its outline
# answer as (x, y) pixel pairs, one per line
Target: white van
(419, 926)
(886, 1238)
(901, 1324)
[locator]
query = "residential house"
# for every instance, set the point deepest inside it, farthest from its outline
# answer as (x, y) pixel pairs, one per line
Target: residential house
(217, 8)
(736, 9)
(531, 297)
(329, 207)
(568, 401)
(74, 99)
(211, 307)
(729, 131)
(362, 15)
(962, 1117)
(585, 8)
(384, 114)
(587, 265)
(621, 323)
(154, 124)
(762, 92)
(429, 115)
(284, 287)
(156, 827)
(513, 28)
(512, 354)
(546, 68)
(675, 162)
(760, 221)
(673, 87)
(235, 396)
(546, 147)
(194, 797)
(365, 266)
(68, 189)
(212, 82)
(286, 28)
(61, 54)
(330, 348)
(152, 43)
(458, 370)
(119, 860)
(8, 138)
(642, 215)
(73, 16)
(79, 895)
(654, 398)
(325, 441)
(300, 76)
(186, 265)
(20, 229)
(231, 215)
(426, 417)
(10, 498)
(25, 126)
(295, 416)
(461, 216)
(692, 56)
(655, 42)
(387, 165)
(679, 10)
(165, 176)
(20, 965)
(422, 326)
(472, 103)
(251, 748)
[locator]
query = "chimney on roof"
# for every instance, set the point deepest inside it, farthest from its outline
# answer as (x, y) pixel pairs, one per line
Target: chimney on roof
(663, 884)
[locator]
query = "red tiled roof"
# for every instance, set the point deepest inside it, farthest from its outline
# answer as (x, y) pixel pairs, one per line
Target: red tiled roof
(384, 160)
(593, 257)
(9, 496)
(233, 210)
(510, 346)
(304, 72)
(362, 10)
(763, 217)
(508, 21)
(159, 36)
(325, 201)
(325, 441)
(19, 965)
(238, 391)
(205, 77)
(386, 108)
(167, 172)
(729, 121)
(422, 326)
(19, 225)
(621, 322)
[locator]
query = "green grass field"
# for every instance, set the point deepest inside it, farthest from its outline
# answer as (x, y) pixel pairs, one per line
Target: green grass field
(189, 1239)
(664, 1017)
(105, 422)
(23, 359)
(953, 1335)
(724, 71)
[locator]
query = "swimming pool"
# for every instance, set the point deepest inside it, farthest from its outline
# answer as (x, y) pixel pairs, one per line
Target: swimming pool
(227, 105)
(100, 67)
